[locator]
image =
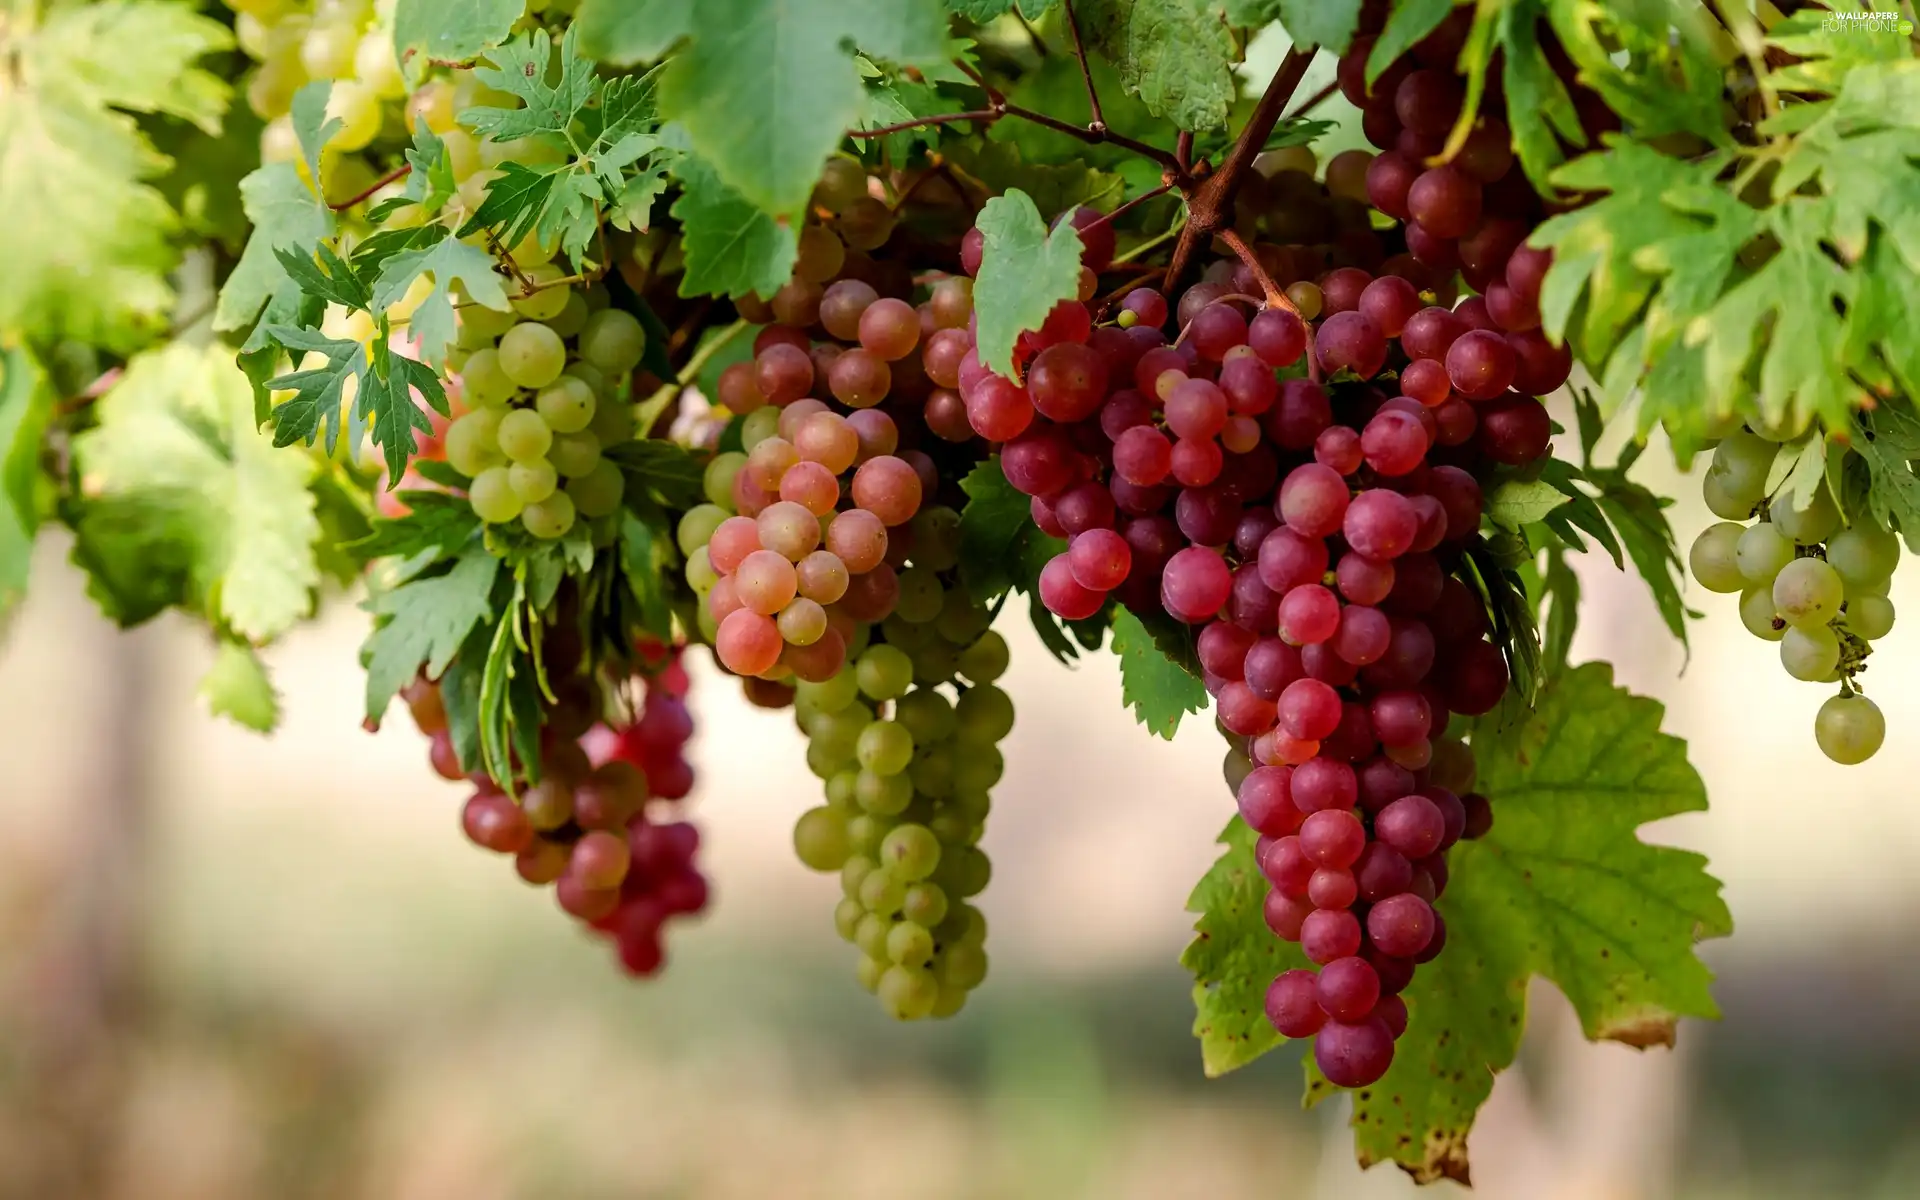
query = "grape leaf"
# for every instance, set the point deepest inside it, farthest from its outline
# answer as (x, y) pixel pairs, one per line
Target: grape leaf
(1405, 27)
(449, 30)
(522, 68)
(732, 248)
(448, 261)
(1176, 55)
(176, 437)
(982, 11)
(1024, 272)
(26, 404)
(1053, 187)
(391, 388)
(1888, 438)
(1561, 887)
(661, 469)
(644, 559)
(236, 687)
(319, 393)
(87, 241)
(766, 88)
(1000, 546)
(1159, 690)
(430, 183)
(421, 624)
(1518, 502)
(312, 127)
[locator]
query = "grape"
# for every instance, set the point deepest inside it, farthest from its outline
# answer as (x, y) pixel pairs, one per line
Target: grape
(1756, 613)
(865, 223)
(1870, 616)
(1380, 524)
(470, 442)
(483, 382)
(1863, 553)
(1762, 552)
(492, 496)
(1480, 364)
(747, 642)
(550, 518)
(1807, 593)
(531, 355)
(884, 747)
(1810, 654)
(1068, 381)
(1354, 1055)
(888, 488)
(842, 181)
(599, 492)
(1402, 926)
(1849, 728)
(1293, 1006)
(1714, 558)
(859, 378)
(1348, 988)
(534, 480)
(1808, 526)
(1349, 340)
(546, 303)
(889, 329)
(575, 454)
(567, 404)
(524, 435)
(910, 852)
(1741, 463)
(765, 582)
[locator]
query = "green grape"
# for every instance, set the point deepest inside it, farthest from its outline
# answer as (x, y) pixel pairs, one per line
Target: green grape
(882, 795)
(1714, 558)
(920, 595)
(950, 1000)
(717, 481)
(832, 695)
(598, 493)
(534, 479)
(847, 916)
(936, 538)
(870, 934)
(1762, 551)
(985, 715)
(758, 426)
(884, 673)
(802, 622)
(550, 518)
(532, 355)
(935, 662)
(358, 110)
(484, 383)
(597, 296)
(613, 422)
(489, 323)
(1863, 553)
(865, 830)
(377, 66)
(1870, 616)
(575, 455)
(910, 852)
(978, 769)
(986, 659)
(927, 714)
(1756, 613)
(547, 303)
(492, 496)
(924, 904)
(885, 748)
(327, 50)
(842, 181)
(840, 789)
(858, 867)
(704, 622)
(862, 638)
(571, 319)
(910, 944)
(869, 971)
(1807, 593)
(1849, 729)
(963, 966)
(697, 525)
(932, 771)
(961, 621)
(953, 829)
(820, 839)
(840, 727)
(905, 635)
(1741, 462)
(1810, 654)
(566, 404)
(524, 435)
(821, 762)
(883, 892)
(613, 340)
(470, 443)
(1808, 526)
(907, 993)
(965, 871)
(970, 804)
(586, 373)
(700, 573)
(1722, 503)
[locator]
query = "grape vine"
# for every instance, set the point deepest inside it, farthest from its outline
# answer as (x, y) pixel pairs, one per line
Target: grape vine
(595, 342)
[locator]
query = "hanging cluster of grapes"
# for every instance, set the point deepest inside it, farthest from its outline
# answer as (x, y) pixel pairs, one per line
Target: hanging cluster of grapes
(825, 564)
(592, 825)
(1816, 588)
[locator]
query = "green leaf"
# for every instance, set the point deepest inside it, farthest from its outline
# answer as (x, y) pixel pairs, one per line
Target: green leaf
(523, 68)
(1234, 956)
(766, 88)
(450, 30)
(1560, 588)
(1159, 690)
(387, 385)
(434, 521)
(1889, 440)
(448, 261)
(982, 11)
(287, 217)
(312, 127)
(87, 241)
(26, 405)
(1024, 272)
(1520, 502)
(1562, 888)
(1325, 23)
(997, 534)
(1053, 187)
(230, 523)
(430, 183)
(1176, 55)
(645, 565)
(236, 687)
(661, 469)
(732, 248)
(422, 623)
(1406, 26)
(515, 200)
(319, 393)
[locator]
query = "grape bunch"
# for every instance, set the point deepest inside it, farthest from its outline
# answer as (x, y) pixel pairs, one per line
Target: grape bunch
(540, 410)
(1817, 589)
(591, 825)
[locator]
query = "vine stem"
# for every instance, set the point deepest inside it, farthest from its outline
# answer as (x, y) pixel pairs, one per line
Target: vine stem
(1275, 297)
(997, 105)
(1210, 204)
(394, 176)
(1098, 121)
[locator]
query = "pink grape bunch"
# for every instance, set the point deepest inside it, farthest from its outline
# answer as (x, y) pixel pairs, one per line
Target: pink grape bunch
(592, 825)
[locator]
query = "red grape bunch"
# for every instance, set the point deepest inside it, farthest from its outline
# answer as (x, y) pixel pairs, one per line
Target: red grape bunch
(592, 824)
(1817, 589)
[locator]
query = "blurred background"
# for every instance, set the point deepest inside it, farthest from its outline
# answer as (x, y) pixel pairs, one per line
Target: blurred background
(235, 968)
